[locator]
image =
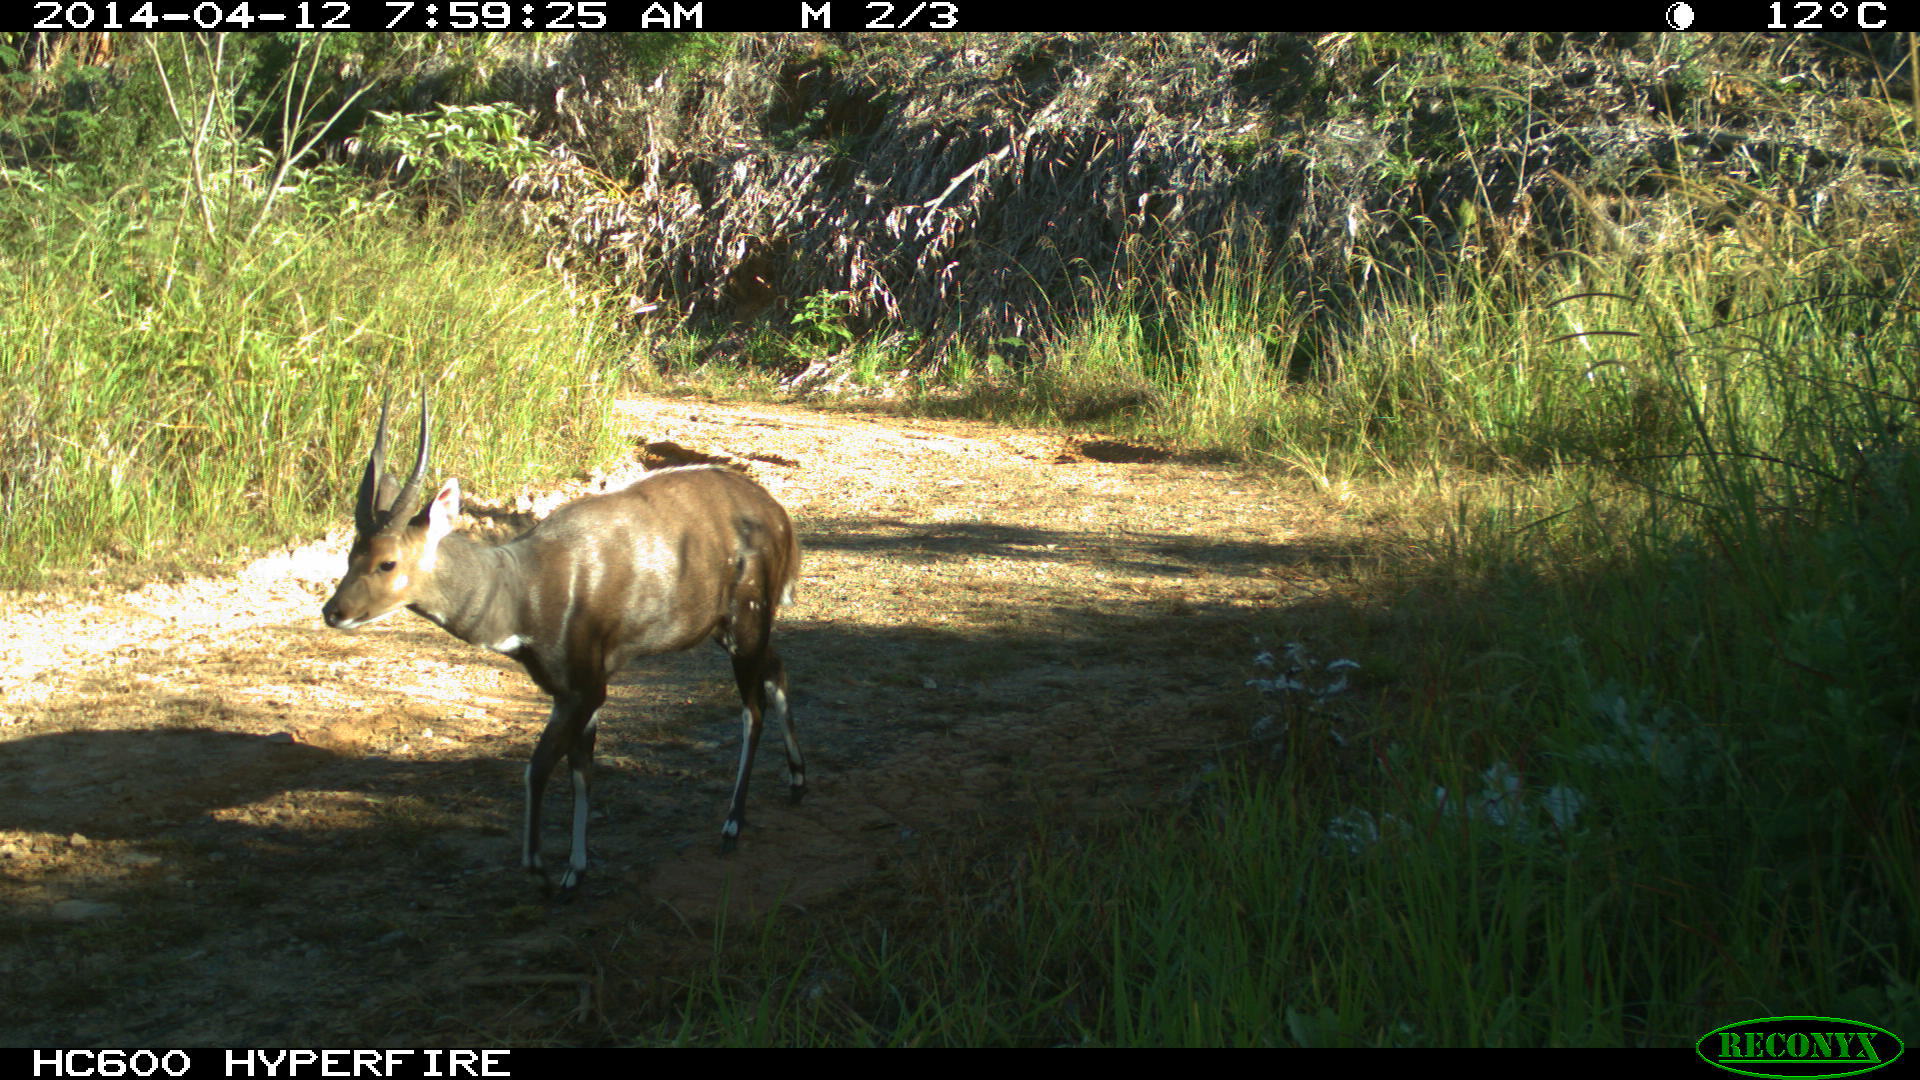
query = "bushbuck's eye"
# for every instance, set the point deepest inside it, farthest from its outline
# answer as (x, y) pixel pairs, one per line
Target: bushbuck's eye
(387, 567)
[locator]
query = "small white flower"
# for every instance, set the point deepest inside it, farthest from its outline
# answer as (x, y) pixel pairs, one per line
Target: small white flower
(1563, 804)
(1355, 830)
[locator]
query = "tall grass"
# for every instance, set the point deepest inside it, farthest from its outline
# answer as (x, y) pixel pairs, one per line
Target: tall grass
(1646, 763)
(160, 400)
(1466, 362)
(186, 370)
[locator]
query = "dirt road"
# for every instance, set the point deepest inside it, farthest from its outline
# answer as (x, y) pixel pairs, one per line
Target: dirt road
(222, 823)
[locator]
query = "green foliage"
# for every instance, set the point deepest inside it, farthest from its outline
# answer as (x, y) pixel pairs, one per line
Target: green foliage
(821, 320)
(456, 154)
(811, 126)
(1453, 92)
(650, 53)
(165, 405)
(75, 110)
(435, 143)
(187, 366)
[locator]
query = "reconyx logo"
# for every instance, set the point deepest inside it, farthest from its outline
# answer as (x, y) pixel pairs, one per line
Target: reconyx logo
(1799, 1047)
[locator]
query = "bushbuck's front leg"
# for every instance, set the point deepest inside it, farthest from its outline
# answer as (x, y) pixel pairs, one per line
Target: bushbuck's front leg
(580, 762)
(563, 730)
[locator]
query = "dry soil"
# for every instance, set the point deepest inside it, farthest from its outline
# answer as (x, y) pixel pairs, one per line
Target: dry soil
(222, 823)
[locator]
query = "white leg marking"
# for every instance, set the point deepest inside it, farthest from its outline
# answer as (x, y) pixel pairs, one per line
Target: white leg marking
(796, 771)
(577, 855)
(732, 827)
(577, 858)
(746, 747)
(529, 853)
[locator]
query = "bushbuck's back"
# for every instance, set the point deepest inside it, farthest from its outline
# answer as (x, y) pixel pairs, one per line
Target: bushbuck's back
(659, 566)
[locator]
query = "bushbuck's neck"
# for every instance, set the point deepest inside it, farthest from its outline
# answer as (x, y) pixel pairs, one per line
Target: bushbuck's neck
(474, 590)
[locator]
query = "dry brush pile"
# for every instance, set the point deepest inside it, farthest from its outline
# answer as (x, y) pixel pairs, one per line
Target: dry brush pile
(970, 186)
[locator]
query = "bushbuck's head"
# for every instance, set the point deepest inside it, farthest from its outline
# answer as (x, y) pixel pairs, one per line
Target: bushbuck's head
(395, 542)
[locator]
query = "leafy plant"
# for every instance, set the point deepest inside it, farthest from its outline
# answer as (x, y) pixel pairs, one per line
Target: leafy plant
(447, 144)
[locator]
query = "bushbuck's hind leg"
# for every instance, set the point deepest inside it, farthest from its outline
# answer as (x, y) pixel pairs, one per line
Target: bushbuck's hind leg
(746, 671)
(773, 682)
(762, 679)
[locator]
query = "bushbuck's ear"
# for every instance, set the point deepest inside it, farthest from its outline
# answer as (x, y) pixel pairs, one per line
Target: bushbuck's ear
(440, 512)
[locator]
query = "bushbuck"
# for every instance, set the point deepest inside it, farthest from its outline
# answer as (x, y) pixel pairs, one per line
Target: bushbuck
(681, 556)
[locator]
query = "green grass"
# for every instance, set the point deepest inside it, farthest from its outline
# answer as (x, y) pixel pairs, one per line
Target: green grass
(172, 397)
(198, 325)
(1635, 750)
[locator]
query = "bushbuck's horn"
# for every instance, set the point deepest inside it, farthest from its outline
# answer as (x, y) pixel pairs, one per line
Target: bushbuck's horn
(403, 503)
(366, 515)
